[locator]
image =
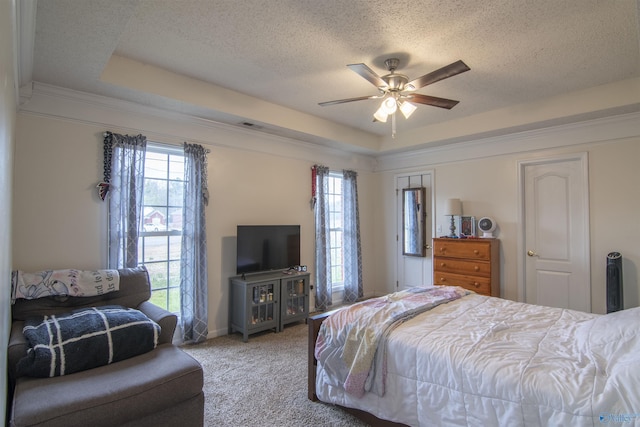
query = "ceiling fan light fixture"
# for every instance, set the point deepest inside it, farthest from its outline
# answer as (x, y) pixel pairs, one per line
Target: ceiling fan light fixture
(392, 88)
(381, 115)
(390, 105)
(407, 109)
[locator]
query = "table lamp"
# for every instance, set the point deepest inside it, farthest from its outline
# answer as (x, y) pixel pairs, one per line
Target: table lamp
(452, 208)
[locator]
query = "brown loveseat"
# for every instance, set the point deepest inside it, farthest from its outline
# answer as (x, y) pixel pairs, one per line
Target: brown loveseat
(162, 387)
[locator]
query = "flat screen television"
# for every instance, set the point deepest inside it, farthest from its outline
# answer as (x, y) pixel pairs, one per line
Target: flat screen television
(267, 247)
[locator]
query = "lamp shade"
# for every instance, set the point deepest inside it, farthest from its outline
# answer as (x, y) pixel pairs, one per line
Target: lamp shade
(453, 207)
(407, 109)
(390, 105)
(381, 115)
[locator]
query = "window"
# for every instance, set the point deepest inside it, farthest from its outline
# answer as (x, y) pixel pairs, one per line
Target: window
(161, 223)
(336, 231)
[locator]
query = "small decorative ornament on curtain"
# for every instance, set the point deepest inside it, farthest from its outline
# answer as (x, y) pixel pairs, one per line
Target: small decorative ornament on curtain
(193, 262)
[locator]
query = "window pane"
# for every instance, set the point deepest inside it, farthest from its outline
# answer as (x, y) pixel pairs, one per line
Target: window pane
(336, 256)
(158, 275)
(176, 167)
(336, 274)
(174, 300)
(155, 248)
(334, 239)
(159, 298)
(155, 165)
(155, 192)
(336, 219)
(174, 273)
(175, 247)
(176, 193)
(175, 219)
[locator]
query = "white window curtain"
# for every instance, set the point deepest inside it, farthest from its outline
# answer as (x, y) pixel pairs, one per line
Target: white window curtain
(193, 263)
(352, 252)
(323, 255)
(124, 158)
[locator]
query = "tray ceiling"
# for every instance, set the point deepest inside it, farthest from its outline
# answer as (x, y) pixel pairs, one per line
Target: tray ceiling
(271, 62)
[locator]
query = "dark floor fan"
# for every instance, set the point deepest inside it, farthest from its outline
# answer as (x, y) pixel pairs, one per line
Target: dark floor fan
(615, 295)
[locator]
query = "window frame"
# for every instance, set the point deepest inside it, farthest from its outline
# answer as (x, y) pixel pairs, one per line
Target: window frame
(335, 202)
(171, 259)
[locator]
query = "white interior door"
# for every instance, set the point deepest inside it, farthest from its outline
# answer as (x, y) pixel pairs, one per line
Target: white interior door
(413, 270)
(556, 232)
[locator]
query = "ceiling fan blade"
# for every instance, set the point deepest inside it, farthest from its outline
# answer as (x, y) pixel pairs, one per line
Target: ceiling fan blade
(437, 75)
(369, 75)
(432, 100)
(342, 101)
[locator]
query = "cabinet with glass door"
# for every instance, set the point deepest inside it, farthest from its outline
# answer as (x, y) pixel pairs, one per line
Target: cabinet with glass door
(254, 306)
(294, 294)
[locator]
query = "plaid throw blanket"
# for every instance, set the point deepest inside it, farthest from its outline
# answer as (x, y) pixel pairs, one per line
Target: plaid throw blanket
(74, 283)
(85, 339)
(351, 342)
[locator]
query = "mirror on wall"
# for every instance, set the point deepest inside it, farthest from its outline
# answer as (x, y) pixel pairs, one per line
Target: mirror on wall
(413, 222)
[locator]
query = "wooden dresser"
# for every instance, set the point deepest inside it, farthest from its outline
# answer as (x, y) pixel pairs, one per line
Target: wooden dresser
(471, 263)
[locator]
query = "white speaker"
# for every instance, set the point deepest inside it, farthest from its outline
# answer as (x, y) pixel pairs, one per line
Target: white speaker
(487, 226)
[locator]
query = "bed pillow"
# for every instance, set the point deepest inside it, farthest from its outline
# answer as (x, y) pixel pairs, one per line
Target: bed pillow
(85, 338)
(614, 338)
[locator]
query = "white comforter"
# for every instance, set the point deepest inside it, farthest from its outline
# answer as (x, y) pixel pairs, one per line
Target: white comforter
(482, 361)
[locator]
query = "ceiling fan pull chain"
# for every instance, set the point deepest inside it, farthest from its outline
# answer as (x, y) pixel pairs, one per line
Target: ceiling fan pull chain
(393, 125)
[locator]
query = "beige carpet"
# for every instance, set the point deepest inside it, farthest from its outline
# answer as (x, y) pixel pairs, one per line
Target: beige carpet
(262, 382)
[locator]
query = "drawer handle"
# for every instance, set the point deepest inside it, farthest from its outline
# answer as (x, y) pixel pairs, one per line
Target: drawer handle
(442, 279)
(475, 251)
(476, 284)
(476, 268)
(442, 264)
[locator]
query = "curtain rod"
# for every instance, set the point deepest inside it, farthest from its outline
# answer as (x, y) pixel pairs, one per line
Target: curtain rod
(207, 150)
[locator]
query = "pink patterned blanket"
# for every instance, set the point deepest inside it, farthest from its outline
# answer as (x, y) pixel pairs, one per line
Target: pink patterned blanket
(350, 343)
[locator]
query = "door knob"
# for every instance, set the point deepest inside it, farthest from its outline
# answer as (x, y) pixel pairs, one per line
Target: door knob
(427, 247)
(531, 253)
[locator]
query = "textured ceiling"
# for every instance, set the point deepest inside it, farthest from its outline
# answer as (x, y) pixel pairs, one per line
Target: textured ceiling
(293, 53)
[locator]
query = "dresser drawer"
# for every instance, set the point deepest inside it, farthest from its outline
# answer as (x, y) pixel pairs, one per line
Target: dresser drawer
(463, 248)
(481, 285)
(458, 266)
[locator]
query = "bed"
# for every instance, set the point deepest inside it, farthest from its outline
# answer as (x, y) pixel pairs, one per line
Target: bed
(483, 361)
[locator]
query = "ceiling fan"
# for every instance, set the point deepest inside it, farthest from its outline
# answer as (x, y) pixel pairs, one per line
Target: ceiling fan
(397, 91)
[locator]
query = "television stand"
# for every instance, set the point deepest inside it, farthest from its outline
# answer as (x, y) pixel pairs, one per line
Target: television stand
(264, 301)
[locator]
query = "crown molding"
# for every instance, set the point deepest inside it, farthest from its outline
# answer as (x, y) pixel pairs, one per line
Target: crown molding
(175, 127)
(592, 131)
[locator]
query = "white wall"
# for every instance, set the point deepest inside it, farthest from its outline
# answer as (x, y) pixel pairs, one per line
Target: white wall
(60, 222)
(8, 97)
(488, 186)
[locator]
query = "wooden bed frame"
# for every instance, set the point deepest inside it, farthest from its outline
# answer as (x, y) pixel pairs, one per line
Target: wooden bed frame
(314, 323)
